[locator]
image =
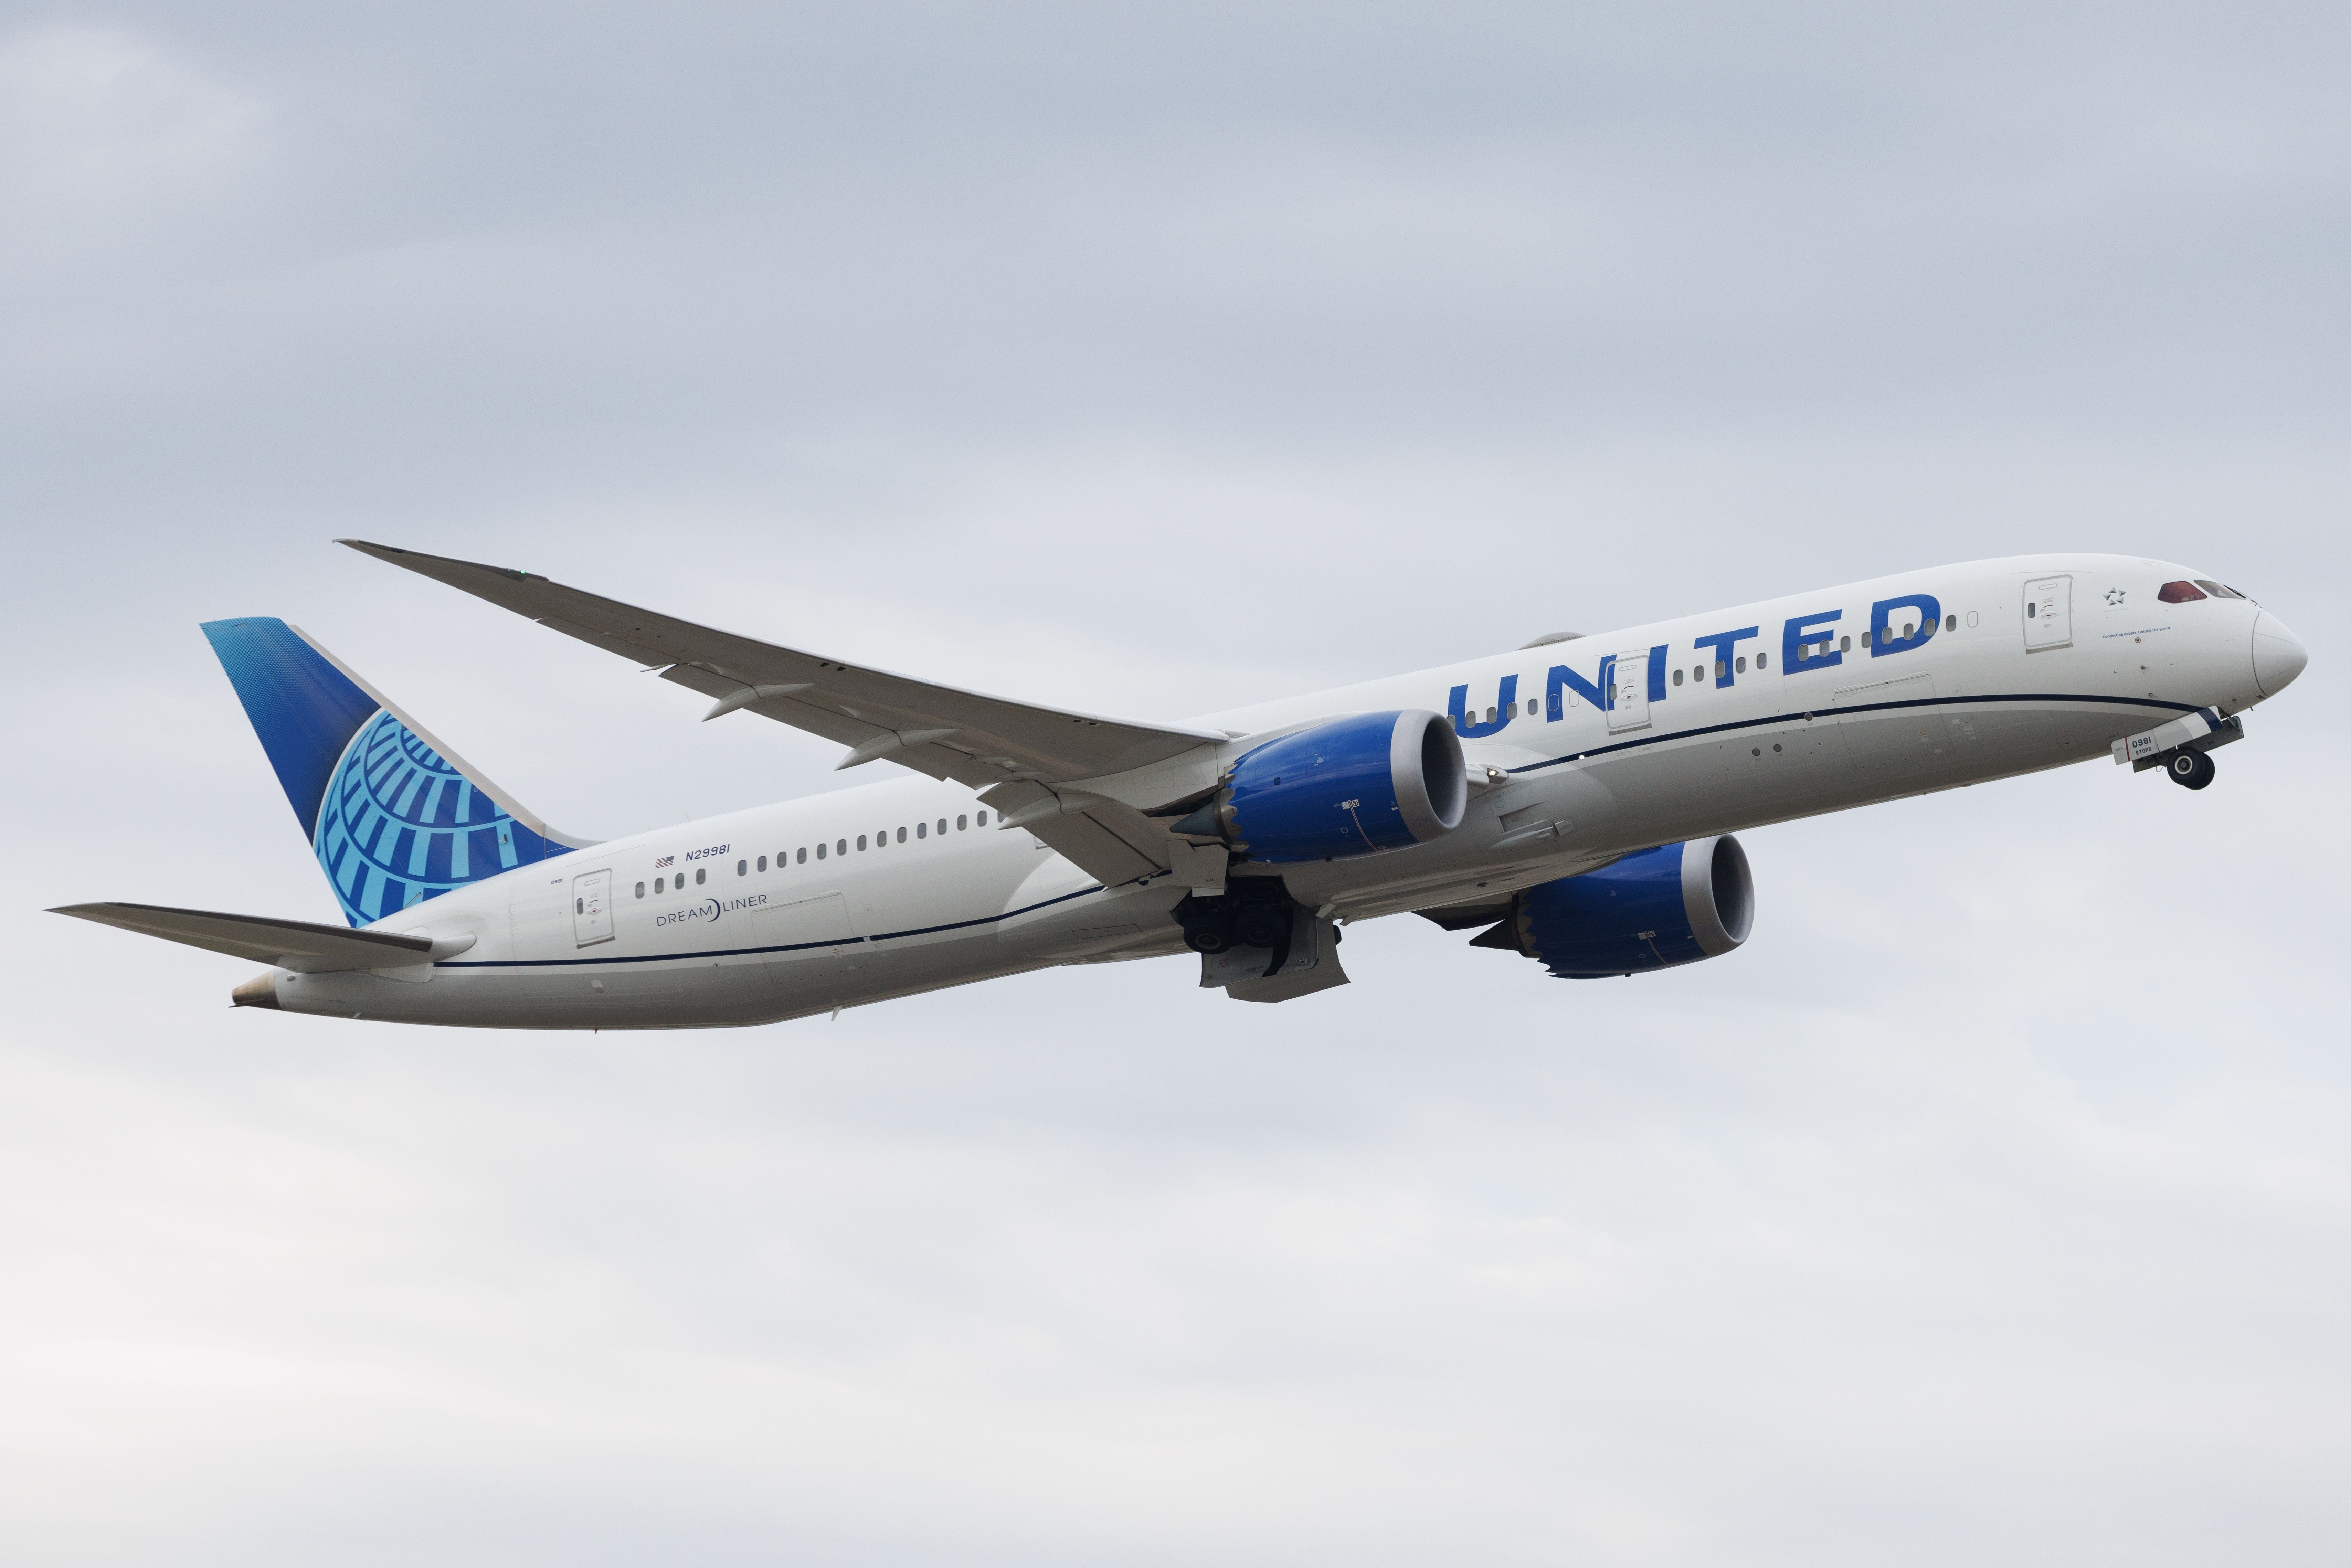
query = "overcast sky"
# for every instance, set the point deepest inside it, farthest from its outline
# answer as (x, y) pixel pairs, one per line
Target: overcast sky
(1993, 1203)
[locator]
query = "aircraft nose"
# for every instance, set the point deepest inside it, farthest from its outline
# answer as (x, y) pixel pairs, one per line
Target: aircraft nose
(2278, 655)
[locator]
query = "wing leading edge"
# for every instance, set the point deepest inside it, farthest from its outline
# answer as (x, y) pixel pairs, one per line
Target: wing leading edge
(1014, 751)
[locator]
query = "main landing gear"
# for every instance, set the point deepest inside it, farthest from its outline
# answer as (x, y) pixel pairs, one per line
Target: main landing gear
(2189, 770)
(1255, 912)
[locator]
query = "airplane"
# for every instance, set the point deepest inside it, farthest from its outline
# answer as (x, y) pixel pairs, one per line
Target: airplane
(1575, 801)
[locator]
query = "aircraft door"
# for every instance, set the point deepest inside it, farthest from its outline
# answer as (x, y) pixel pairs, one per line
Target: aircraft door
(1628, 701)
(1899, 732)
(591, 908)
(803, 944)
(2048, 613)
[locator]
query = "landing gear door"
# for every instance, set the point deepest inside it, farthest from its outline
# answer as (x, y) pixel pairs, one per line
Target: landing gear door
(591, 908)
(2048, 613)
(1628, 692)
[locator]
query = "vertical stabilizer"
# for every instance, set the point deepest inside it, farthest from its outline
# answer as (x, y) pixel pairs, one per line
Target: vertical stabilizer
(394, 817)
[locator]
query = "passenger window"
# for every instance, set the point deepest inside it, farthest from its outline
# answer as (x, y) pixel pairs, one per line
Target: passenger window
(579, 906)
(742, 868)
(1844, 644)
(819, 851)
(943, 824)
(1909, 630)
(922, 829)
(1742, 664)
(861, 843)
(2178, 592)
(1950, 623)
(701, 874)
(1865, 639)
(959, 825)
(840, 846)
(657, 884)
(979, 818)
(1677, 677)
(1762, 660)
(1720, 669)
(803, 855)
(641, 890)
(902, 835)
(763, 862)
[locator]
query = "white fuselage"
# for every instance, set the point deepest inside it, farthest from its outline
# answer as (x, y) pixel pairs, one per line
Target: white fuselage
(896, 904)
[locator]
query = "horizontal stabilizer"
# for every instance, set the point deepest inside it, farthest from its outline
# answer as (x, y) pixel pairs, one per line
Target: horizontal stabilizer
(296, 945)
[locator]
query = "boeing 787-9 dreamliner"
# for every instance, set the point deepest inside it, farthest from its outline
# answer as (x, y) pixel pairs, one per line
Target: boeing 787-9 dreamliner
(1572, 801)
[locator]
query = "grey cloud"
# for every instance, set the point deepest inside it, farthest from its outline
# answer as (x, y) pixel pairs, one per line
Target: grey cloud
(1991, 1203)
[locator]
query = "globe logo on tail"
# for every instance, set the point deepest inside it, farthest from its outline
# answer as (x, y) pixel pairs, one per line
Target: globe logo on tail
(400, 825)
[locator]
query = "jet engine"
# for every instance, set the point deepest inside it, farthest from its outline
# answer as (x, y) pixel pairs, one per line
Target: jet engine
(1353, 786)
(1674, 904)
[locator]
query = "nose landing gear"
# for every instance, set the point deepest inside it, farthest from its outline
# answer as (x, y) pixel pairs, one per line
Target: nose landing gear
(2189, 770)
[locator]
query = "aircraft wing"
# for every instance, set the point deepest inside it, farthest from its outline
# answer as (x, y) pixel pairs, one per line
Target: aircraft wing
(286, 944)
(984, 742)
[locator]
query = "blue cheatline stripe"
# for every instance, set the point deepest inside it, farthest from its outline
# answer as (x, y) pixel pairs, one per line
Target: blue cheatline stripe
(1087, 891)
(787, 947)
(1793, 717)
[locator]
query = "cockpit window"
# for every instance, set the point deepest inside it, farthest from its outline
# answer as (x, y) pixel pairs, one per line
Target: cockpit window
(2217, 592)
(2178, 592)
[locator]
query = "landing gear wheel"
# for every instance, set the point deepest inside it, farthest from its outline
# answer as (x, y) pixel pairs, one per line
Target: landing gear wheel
(2190, 770)
(1206, 938)
(1263, 927)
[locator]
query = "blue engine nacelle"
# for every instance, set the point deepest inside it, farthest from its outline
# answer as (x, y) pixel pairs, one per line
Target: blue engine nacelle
(1352, 786)
(1672, 905)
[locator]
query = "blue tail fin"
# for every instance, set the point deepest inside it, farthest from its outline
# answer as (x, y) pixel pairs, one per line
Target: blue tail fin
(393, 815)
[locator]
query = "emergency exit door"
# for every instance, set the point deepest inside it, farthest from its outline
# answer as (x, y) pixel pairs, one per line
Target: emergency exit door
(592, 907)
(1628, 692)
(2048, 613)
